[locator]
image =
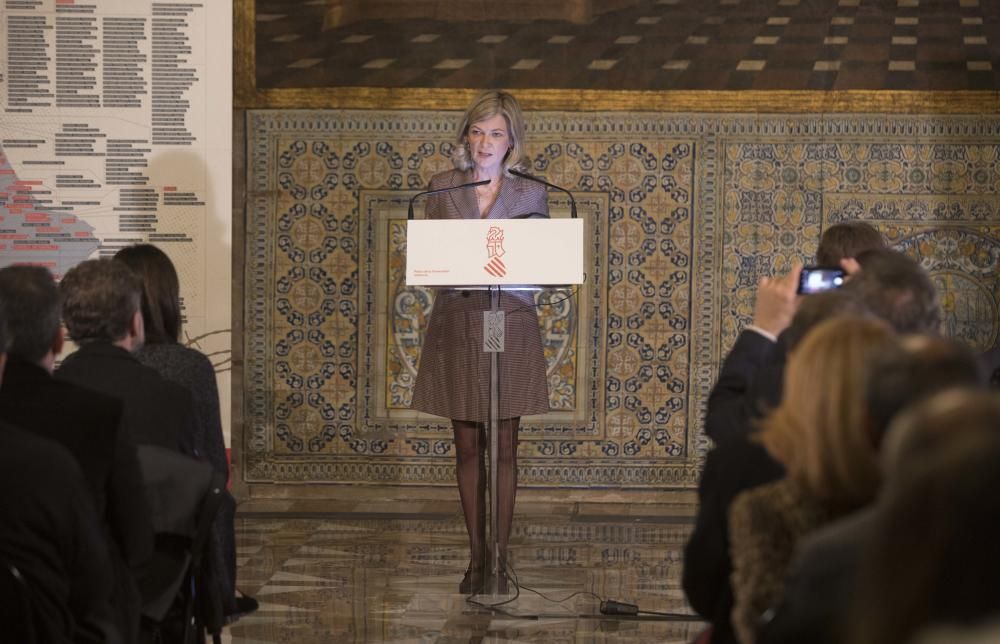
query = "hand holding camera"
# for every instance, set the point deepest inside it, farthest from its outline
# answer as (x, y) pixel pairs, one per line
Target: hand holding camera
(815, 279)
(777, 301)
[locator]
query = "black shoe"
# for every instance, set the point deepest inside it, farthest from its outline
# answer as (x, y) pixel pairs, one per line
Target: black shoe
(245, 604)
(472, 582)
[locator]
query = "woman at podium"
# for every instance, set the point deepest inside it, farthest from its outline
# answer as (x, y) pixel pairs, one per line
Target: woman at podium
(454, 375)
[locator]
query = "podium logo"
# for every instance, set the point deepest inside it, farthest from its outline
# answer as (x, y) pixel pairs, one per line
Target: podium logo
(494, 251)
(495, 267)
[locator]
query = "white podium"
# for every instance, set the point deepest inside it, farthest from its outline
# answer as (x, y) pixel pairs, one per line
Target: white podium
(494, 254)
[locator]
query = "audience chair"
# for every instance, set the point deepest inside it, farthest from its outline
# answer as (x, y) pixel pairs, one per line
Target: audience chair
(19, 625)
(180, 597)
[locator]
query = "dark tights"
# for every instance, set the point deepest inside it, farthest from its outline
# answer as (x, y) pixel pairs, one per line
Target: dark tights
(471, 443)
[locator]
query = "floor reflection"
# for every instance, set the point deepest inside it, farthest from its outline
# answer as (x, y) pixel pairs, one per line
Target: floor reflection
(391, 574)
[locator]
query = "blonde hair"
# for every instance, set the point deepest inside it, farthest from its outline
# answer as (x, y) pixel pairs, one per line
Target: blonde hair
(487, 105)
(819, 430)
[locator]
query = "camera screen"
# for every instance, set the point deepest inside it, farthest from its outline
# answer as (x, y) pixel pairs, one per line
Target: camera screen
(817, 280)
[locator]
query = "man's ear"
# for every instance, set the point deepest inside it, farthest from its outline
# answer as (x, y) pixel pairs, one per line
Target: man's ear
(58, 341)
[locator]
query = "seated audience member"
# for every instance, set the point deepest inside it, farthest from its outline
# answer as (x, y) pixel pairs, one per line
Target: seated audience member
(817, 592)
(101, 307)
(742, 392)
(731, 409)
(932, 558)
(895, 288)
(730, 468)
(83, 421)
(817, 433)
(892, 286)
(845, 241)
(161, 314)
(50, 533)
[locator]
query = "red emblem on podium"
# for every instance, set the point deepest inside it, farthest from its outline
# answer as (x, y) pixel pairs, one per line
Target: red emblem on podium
(494, 250)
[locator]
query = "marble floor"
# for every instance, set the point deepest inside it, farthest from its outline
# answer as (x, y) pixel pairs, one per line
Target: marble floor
(348, 571)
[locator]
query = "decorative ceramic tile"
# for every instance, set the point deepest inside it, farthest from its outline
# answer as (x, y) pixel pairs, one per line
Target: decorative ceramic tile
(684, 214)
(939, 202)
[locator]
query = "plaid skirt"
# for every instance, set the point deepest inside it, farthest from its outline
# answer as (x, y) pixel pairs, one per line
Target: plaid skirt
(453, 377)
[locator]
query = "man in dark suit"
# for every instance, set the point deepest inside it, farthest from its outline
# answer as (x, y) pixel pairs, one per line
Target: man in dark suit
(85, 422)
(51, 536)
(750, 381)
(739, 396)
(101, 302)
(101, 307)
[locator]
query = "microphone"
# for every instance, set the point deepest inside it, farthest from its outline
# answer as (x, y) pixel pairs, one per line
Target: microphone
(474, 184)
(572, 201)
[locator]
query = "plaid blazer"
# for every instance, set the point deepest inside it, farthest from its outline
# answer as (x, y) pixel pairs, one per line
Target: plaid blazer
(453, 377)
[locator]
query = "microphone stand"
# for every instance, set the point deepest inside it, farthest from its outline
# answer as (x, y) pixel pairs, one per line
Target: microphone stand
(493, 579)
(572, 201)
(474, 184)
(493, 423)
(494, 564)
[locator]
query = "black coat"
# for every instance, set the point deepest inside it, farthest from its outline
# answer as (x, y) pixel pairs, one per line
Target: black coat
(731, 468)
(89, 425)
(157, 412)
(50, 531)
(192, 370)
(750, 383)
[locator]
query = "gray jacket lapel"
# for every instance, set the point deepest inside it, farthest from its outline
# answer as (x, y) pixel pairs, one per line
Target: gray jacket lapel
(464, 200)
(507, 200)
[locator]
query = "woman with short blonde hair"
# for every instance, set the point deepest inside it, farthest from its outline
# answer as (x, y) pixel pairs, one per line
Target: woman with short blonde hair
(819, 433)
(454, 374)
(487, 104)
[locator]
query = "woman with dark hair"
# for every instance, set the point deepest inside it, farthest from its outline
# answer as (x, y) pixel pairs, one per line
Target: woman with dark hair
(454, 375)
(161, 314)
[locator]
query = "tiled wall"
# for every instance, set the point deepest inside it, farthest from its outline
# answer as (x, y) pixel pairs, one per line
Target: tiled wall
(684, 213)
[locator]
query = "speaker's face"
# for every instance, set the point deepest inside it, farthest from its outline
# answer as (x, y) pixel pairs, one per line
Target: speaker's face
(489, 142)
